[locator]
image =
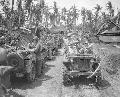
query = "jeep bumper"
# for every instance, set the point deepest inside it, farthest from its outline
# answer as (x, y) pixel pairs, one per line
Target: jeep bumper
(76, 73)
(18, 72)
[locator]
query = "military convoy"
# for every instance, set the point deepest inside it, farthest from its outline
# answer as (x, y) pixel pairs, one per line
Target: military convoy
(24, 62)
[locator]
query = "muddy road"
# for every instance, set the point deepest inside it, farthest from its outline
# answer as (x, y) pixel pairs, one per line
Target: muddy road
(50, 84)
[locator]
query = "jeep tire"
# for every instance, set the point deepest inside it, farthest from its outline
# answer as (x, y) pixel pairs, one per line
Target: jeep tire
(39, 67)
(66, 80)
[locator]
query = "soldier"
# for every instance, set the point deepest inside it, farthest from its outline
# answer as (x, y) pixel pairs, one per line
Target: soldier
(38, 51)
(2, 41)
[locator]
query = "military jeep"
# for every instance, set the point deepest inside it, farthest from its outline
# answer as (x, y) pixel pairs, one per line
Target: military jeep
(79, 65)
(23, 63)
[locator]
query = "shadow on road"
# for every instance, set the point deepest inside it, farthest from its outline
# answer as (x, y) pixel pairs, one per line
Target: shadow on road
(78, 81)
(13, 94)
(21, 83)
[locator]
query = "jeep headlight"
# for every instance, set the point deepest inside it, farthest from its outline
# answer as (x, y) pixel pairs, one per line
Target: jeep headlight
(71, 60)
(92, 60)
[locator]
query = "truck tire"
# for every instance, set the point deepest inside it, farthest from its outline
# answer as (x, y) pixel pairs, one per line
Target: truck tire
(32, 74)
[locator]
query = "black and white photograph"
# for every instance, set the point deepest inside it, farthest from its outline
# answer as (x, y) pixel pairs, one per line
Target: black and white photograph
(59, 48)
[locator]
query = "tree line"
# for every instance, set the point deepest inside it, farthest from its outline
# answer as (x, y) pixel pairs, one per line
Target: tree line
(30, 14)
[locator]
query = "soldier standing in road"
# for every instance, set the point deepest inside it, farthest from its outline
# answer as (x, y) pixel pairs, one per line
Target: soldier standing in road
(38, 51)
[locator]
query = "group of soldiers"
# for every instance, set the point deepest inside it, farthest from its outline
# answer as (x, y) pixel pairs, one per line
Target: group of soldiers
(38, 48)
(78, 47)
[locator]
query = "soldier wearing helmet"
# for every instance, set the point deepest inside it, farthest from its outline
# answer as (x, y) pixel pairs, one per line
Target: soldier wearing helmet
(37, 44)
(2, 40)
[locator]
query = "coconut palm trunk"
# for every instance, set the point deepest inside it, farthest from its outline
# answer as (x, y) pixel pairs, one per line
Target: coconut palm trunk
(12, 4)
(19, 11)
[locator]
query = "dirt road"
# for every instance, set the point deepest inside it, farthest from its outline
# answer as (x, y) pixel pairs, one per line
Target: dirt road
(50, 85)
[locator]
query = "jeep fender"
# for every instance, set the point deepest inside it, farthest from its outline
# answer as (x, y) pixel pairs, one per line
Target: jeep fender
(15, 58)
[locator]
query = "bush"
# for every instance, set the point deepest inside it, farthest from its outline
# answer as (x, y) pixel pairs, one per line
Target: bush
(110, 66)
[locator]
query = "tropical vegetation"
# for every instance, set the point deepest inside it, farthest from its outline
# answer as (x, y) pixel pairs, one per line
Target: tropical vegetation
(30, 15)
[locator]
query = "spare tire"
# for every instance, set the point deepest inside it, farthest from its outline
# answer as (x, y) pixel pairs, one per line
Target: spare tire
(15, 60)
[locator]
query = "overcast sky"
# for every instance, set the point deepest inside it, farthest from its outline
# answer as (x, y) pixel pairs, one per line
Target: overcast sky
(89, 4)
(81, 3)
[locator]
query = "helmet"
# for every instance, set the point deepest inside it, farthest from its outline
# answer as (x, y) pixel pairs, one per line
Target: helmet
(2, 37)
(35, 38)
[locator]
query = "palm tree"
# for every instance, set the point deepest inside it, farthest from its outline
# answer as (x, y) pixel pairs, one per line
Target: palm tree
(8, 23)
(75, 14)
(56, 13)
(97, 18)
(69, 21)
(55, 16)
(98, 8)
(47, 15)
(64, 15)
(12, 4)
(42, 3)
(89, 24)
(83, 14)
(110, 8)
(89, 15)
(28, 5)
(72, 16)
(20, 13)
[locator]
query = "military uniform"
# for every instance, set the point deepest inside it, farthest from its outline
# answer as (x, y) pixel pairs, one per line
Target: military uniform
(39, 57)
(2, 41)
(40, 52)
